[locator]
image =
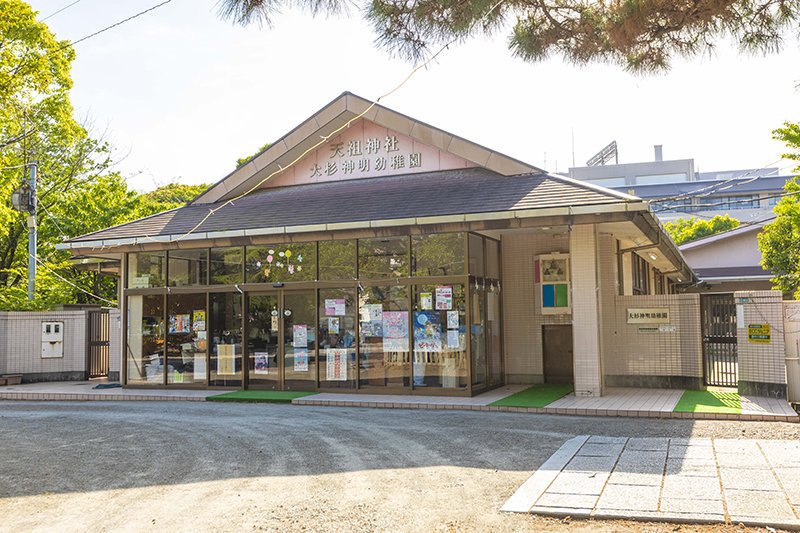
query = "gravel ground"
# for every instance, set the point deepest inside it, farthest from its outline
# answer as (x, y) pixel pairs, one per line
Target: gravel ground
(183, 466)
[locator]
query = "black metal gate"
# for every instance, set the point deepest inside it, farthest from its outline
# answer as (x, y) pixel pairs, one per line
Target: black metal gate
(98, 343)
(720, 365)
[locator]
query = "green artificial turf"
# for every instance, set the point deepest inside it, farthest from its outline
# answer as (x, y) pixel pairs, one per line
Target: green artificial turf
(272, 396)
(536, 396)
(709, 401)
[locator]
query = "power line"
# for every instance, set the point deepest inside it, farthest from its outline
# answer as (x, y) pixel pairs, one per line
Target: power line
(346, 125)
(123, 21)
(727, 202)
(60, 10)
(65, 280)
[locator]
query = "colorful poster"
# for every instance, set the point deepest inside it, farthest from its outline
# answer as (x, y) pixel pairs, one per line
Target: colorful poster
(301, 360)
(336, 364)
(452, 320)
(452, 338)
(444, 298)
(299, 336)
(199, 320)
(395, 331)
(334, 307)
(427, 331)
(371, 320)
(179, 323)
(261, 362)
(333, 325)
(226, 359)
(426, 301)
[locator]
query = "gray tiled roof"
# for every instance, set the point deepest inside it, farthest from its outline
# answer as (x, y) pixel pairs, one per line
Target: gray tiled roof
(474, 190)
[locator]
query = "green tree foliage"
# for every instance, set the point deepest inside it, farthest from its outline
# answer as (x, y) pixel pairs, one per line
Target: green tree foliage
(78, 191)
(779, 241)
(242, 160)
(685, 230)
(167, 197)
(641, 35)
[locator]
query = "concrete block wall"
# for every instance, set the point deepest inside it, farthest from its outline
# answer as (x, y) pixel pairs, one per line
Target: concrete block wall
(21, 346)
(521, 321)
(114, 345)
(661, 359)
(762, 366)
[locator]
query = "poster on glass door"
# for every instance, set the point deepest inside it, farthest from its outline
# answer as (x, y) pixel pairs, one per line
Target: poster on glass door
(336, 364)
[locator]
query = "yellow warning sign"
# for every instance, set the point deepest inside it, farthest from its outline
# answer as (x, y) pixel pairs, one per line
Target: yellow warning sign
(759, 333)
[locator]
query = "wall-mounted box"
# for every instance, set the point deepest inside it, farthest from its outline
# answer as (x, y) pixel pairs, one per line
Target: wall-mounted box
(553, 282)
(52, 340)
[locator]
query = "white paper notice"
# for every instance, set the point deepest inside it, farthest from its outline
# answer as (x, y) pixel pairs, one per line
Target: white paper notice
(300, 336)
(452, 320)
(444, 298)
(199, 367)
(336, 364)
(426, 301)
(452, 338)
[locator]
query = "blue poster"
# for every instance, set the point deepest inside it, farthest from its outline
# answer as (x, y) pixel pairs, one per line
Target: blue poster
(427, 331)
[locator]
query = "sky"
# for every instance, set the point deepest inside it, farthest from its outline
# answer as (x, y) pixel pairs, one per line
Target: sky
(181, 93)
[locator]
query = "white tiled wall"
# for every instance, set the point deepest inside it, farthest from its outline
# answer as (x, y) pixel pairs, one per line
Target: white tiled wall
(631, 351)
(21, 342)
(522, 323)
(761, 363)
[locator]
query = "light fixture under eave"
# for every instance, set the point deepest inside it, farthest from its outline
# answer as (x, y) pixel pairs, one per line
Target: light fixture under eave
(653, 256)
(679, 280)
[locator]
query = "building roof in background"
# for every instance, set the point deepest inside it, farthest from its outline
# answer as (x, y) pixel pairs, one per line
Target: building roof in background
(733, 186)
(451, 192)
(728, 174)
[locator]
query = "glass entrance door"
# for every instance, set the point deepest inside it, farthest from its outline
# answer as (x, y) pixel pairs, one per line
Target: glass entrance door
(264, 363)
(299, 340)
(281, 341)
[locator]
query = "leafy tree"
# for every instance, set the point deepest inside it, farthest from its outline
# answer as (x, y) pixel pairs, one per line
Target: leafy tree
(77, 190)
(167, 197)
(779, 241)
(242, 160)
(685, 230)
(641, 35)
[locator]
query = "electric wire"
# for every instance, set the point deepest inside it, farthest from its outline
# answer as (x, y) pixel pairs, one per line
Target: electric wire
(59, 11)
(68, 282)
(325, 138)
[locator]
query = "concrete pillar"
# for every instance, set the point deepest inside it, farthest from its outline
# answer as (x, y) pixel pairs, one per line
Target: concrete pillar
(587, 360)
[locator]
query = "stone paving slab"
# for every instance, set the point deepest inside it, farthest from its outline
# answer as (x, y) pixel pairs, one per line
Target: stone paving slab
(755, 482)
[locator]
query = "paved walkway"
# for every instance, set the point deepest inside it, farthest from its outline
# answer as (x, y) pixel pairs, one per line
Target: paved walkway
(755, 482)
(629, 402)
(84, 390)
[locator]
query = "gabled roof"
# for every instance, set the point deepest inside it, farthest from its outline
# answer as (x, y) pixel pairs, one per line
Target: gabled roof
(341, 111)
(393, 200)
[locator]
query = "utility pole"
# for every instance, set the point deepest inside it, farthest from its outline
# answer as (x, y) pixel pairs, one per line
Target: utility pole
(32, 233)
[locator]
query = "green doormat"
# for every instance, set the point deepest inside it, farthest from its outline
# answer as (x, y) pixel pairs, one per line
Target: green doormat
(536, 396)
(271, 396)
(709, 401)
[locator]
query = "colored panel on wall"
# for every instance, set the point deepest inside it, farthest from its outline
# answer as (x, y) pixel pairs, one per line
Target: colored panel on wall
(548, 296)
(561, 295)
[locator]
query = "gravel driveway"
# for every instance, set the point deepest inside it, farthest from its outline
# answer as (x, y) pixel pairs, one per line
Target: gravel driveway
(180, 466)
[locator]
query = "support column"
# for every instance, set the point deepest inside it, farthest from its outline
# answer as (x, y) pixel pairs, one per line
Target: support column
(586, 323)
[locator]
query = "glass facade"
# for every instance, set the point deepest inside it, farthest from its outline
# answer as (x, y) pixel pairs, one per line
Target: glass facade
(408, 314)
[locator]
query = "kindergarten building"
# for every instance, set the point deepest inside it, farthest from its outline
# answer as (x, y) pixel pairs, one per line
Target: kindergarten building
(367, 251)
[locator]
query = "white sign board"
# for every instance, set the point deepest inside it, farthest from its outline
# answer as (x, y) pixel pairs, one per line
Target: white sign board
(648, 315)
